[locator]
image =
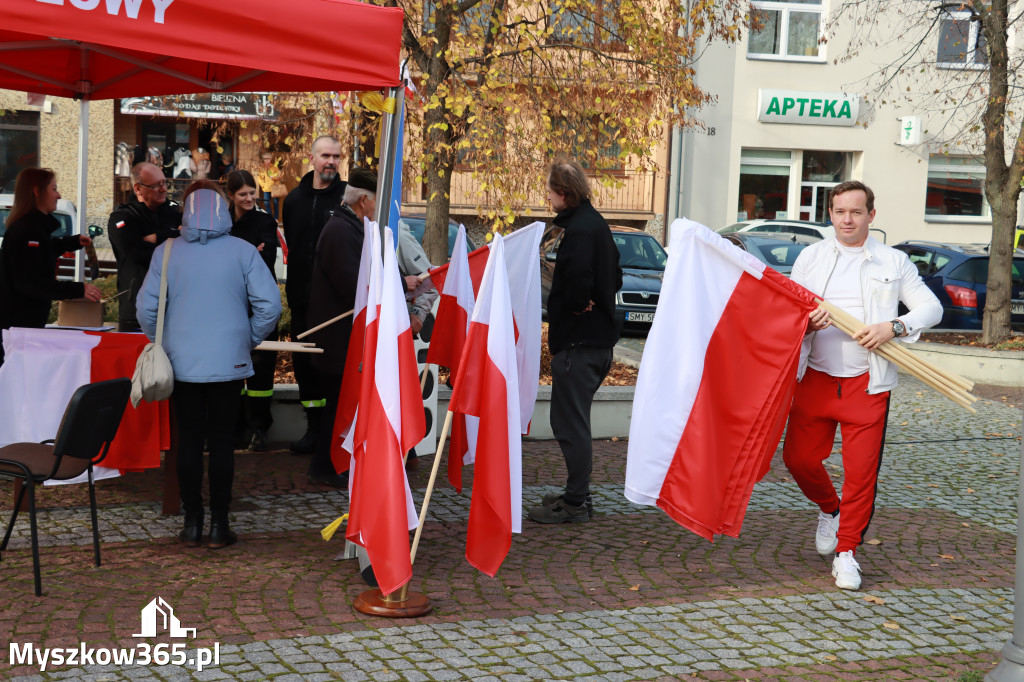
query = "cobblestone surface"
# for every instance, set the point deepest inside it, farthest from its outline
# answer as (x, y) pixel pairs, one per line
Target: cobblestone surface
(629, 596)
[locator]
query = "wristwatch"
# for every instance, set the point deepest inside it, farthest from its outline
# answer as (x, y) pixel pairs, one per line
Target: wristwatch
(898, 328)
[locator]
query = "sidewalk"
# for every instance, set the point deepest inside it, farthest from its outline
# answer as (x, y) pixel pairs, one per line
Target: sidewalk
(629, 596)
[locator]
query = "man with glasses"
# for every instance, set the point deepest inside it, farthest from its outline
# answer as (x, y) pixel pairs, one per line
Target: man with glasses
(135, 229)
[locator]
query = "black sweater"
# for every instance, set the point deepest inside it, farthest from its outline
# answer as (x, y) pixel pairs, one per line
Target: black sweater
(127, 228)
(587, 269)
(28, 279)
(258, 227)
(304, 213)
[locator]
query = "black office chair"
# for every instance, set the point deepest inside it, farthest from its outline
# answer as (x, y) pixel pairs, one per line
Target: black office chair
(89, 425)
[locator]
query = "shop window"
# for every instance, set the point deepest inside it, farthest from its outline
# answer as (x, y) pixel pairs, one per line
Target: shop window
(764, 184)
(961, 42)
(19, 145)
(599, 29)
(825, 166)
(956, 187)
(786, 30)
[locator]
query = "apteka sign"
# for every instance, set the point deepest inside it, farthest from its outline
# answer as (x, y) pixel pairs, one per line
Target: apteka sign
(807, 108)
(113, 7)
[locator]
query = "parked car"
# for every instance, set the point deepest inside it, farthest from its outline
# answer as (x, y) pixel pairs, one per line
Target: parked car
(642, 260)
(777, 249)
(417, 224)
(957, 274)
(804, 227)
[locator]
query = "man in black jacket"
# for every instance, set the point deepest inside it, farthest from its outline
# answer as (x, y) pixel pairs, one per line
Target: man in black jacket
(582, 329)
(305, 211)
(135, 230)
(333, 292)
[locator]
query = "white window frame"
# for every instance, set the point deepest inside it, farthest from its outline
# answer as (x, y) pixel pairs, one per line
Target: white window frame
(784, 9)
(979, 168)
(972, 42)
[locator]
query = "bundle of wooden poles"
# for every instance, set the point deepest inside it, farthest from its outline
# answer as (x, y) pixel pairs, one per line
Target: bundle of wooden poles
(953, 386)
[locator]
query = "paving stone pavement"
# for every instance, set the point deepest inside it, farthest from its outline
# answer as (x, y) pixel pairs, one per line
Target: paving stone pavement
(629, 596)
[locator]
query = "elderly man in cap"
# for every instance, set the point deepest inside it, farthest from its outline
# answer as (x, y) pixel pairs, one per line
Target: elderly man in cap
(333, 292)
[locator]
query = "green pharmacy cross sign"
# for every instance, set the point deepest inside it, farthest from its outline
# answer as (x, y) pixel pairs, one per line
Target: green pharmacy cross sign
(807, 108)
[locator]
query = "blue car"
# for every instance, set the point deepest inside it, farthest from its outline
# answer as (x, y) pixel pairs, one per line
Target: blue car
(957, 274)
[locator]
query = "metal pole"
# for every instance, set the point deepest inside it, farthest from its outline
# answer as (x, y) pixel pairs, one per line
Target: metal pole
(1011, 668)
(83, 183)
(388, 154)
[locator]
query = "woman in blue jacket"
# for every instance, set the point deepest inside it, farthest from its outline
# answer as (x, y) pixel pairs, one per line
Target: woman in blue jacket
(213, 282)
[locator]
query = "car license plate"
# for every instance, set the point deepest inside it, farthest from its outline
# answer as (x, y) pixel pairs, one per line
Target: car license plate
(639, 317)
(1017, 307)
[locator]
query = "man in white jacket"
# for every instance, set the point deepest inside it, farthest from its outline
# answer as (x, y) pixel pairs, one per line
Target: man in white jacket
(840, 381)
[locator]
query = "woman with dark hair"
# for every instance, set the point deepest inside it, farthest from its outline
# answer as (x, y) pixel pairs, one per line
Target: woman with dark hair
(259, 228)
(221, 303)
(28, 256)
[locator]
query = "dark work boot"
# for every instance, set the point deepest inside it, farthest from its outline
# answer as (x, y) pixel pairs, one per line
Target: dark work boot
(258, 443)
(307, 444)
(192, 533)
(220, 534)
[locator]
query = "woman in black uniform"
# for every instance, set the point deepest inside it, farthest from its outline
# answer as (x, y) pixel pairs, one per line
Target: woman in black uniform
(259, 229)
(28, 256)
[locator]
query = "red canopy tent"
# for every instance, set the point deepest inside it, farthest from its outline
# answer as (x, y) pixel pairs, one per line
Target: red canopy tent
(102, 49)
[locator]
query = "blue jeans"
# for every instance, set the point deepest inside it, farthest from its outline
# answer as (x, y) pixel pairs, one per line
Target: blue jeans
(272, 206)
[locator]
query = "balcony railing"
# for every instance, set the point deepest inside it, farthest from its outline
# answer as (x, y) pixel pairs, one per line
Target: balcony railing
(633, 193)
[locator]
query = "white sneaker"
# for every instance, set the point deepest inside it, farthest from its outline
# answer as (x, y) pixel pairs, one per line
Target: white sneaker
(827, 538)
(846, 571)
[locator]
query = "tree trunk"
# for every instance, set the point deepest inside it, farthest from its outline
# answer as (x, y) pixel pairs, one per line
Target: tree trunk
(996, 324)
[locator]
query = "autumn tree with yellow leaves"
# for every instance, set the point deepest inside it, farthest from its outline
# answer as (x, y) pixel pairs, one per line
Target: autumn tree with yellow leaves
(504, 87)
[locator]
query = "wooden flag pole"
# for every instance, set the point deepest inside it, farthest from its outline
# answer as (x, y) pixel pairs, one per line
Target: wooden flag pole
(320, 326)
(950, 385)
(423, 378)
(430, 485)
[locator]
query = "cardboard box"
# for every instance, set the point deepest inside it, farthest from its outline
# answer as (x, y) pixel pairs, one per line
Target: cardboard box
(79, 314)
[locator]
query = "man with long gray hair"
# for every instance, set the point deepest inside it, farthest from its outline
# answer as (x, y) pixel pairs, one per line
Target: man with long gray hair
(582, 329)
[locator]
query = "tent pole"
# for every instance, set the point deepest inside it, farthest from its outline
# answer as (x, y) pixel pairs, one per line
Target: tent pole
(83, 183)
(388, 156)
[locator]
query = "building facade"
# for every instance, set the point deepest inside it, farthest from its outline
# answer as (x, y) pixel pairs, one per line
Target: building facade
(793, 118)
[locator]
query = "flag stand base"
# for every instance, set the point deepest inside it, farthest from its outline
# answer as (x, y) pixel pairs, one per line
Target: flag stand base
(399, 604)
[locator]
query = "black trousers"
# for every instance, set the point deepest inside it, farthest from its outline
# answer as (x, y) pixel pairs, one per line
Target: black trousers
(308, 379)
(259, 388)
(206, 412)
(576, 374)
(321, 461)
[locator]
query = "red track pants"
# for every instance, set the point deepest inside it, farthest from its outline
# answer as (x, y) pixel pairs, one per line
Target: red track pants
(820, 403)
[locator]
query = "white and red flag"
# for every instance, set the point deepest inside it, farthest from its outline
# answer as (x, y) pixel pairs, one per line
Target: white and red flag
(715, 383)
(487, 387)
(389, 422)
(523, 268)
(454, 311)
(348, 399)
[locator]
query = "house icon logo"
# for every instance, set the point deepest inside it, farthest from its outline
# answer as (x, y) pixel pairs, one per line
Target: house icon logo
(157, 616)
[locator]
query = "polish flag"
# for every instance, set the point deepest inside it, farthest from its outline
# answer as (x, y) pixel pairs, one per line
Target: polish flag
(65, 360)
(454, 312)
(390, 421)
(487, 387)
(522, 264)
(341, 454)
(715, 383)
